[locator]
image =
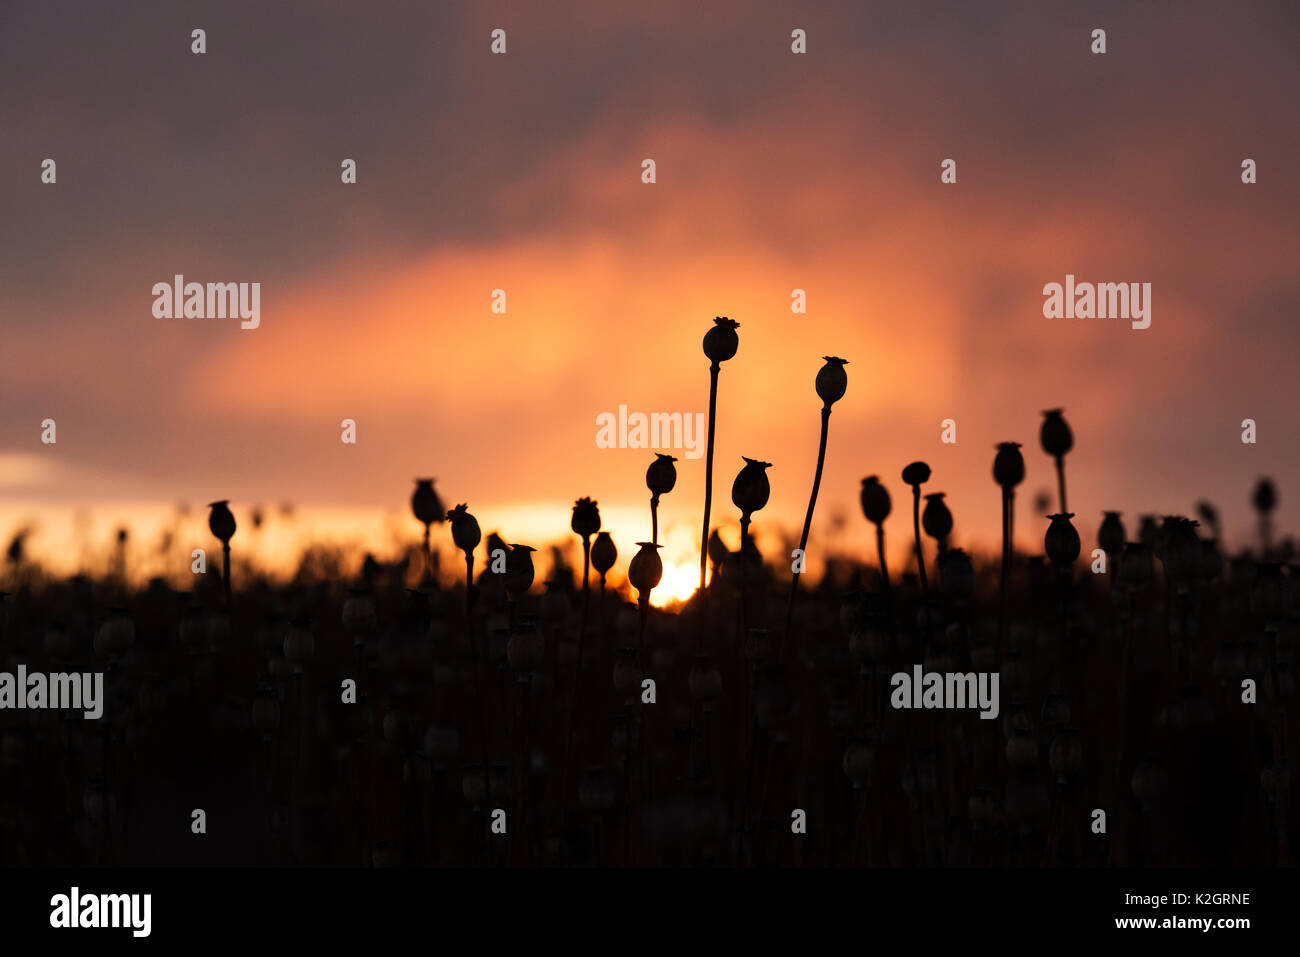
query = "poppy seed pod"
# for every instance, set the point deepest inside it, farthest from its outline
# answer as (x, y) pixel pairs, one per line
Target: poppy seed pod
(661, 476)
(646, 568)
(721, 341)
(1055, 434)
(1061, 542)
(918, 473)
(956, 575)
(603, 553)
(526, 649)
(936, 519)
(425, 503)
(221, 521)
(1008, 465)
(519, 570)
(1148, 531)
(1182, 548)
(464, 529)
(875, 500)
(586, 518)
(751, 490)
(359, 612)
(1265, 496)
(1110, 536)
(832, 380)
(299, 644)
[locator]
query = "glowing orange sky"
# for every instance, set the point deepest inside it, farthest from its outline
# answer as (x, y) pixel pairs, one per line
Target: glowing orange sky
(522, 172)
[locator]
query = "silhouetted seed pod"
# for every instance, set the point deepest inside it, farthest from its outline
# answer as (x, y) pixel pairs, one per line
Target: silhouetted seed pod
(299, 645)
(832, 380)
(1055, 434)
(597, 790)
(627, 674)
(859, 756)
(603, 553)
(1265, 496)
(750, 490)
(526, 649)
(661, 476)
(425, 503)
(265, 716)
(1182, 549)
(721, 341)
(646, 568)
(1061, 542)
(1056, 711)
(1110, 536)
(704, 680)
(115, 635)
(1148, 532)
(1008, 465)
(956, 575)
(980, 808)
(1136, 566)
(918, 473)
(874, 498)
(519, 571)
(359, 613)
(1065, 757)
(586, 518)
(1022, 750)
(221, 522)
(936, 519)
(465, 533)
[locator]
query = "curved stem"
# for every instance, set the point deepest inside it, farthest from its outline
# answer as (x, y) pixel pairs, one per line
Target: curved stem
(807, 519)
(654, 518)
(708, 470)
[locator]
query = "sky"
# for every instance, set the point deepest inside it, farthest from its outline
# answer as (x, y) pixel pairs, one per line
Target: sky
(775, 171)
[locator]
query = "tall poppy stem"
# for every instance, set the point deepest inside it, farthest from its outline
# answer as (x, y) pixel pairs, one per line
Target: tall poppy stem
(654, 518)
(920, 561)
(1060, 480)
(880, 551)
(478, 681)
(807, 520)
(225, 571)
(708, 469)
(1006, 571)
